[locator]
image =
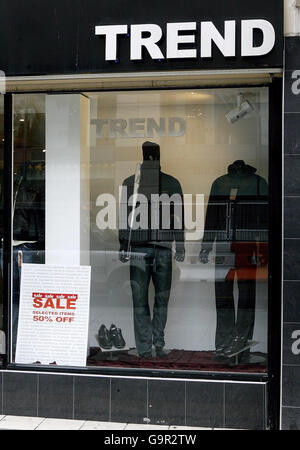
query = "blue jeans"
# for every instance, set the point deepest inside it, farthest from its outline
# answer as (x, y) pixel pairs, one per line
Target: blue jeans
(150, 262)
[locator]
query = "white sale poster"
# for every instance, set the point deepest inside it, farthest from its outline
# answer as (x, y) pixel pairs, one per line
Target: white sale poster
(53, 315)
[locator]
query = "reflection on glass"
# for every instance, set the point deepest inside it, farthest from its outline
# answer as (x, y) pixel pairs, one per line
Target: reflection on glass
(138, 185)
(28, 192)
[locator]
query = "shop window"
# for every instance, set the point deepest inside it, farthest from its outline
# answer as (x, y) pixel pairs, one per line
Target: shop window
(140, 233)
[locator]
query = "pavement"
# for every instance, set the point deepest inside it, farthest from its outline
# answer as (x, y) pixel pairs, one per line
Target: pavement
(43, 423)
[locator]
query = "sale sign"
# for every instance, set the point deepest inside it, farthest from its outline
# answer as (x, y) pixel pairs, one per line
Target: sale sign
(53, 315)
(54, 301)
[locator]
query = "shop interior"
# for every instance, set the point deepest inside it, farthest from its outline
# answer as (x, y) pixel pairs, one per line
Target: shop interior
(73, 152)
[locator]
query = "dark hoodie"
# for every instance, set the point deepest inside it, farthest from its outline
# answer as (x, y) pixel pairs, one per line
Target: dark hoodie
(238, 206)
(154, 181)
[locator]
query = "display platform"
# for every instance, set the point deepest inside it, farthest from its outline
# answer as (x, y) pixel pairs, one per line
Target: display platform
(177, 360)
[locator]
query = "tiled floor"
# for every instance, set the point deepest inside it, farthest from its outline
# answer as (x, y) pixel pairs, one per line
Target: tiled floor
(40, 423)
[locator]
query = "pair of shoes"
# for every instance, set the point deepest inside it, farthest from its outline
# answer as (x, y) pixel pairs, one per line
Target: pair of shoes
(160, 353)
(109, 338)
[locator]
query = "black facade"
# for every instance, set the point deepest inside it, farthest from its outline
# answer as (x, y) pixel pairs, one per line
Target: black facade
(67, 45)
(188, 403)
(70, 47)
(290, 368)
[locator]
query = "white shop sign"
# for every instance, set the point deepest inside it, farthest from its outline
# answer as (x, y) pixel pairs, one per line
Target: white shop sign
(53, 315)
(208, 34)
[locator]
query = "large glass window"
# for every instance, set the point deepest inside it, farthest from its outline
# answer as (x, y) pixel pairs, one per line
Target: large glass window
(141, 229)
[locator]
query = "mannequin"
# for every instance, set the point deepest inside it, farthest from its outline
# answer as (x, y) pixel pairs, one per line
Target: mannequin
(237, 213)
(149, 250)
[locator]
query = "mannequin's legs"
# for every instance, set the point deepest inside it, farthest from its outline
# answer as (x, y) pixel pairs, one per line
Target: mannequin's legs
(225, 312)
(162, 279)
(140, 276)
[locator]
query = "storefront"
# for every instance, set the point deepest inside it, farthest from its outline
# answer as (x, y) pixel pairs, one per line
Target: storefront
(141, 156)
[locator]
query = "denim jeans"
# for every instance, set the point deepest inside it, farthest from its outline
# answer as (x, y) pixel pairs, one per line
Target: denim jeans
(150, 262)
(230, 322)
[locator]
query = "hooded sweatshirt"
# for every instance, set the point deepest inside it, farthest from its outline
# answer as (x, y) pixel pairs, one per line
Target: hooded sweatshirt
(237, 209)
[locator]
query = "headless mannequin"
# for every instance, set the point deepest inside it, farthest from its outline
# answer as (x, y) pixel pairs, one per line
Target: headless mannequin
(239, 185)
(150, 255)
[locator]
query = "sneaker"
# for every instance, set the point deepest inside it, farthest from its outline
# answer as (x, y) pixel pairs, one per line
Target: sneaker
(116, 337)
(104, 338)
(238, 343)
(219, 352)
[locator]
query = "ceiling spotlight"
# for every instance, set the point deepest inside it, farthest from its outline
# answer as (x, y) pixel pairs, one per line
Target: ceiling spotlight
(244, 107)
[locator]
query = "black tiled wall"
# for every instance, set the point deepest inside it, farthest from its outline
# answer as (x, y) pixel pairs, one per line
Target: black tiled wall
(291, 284)
(192, 403)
